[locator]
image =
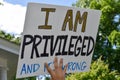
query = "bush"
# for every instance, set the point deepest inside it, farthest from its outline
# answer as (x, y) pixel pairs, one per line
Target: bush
(98, 71)
(28, 78)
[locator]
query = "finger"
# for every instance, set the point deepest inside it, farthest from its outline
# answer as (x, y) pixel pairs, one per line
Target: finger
(61, 63)
(48, 69)
(56, 62)
(51, 79)
(65, 68)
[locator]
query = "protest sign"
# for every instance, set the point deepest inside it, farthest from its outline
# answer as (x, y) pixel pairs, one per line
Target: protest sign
(65, 32)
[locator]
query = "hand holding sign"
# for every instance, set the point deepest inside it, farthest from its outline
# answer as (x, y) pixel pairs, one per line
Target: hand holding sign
(58, 73)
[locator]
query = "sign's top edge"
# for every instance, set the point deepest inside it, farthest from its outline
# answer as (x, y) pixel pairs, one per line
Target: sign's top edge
(30, 3)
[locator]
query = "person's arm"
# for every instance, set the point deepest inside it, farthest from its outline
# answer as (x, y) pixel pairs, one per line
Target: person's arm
(58, 73)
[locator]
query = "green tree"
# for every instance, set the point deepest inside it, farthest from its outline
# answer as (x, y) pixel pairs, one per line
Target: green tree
(2, 34)
(114, 38)
(98, 71)
(28, 78)
(10, 37)
(110, 21)
(1, 3)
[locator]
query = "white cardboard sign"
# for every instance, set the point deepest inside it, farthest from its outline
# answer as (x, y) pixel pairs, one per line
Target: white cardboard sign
(65, 32)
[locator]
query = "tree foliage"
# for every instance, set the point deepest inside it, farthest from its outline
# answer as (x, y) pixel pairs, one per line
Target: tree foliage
(98, 71)
(28, 78)
(10, 37)
(114, 38)
(108, 35)
(1, 3)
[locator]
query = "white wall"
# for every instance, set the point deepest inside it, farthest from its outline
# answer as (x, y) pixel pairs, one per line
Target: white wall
(3, 69)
